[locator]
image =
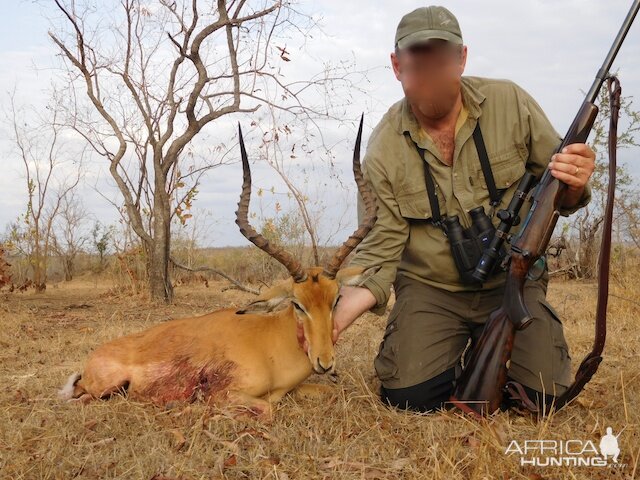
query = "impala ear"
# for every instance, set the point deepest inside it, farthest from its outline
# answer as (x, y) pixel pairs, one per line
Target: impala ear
(355, 276)
(271, 299)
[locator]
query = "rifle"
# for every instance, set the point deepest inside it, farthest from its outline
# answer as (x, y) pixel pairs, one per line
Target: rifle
(483, 382)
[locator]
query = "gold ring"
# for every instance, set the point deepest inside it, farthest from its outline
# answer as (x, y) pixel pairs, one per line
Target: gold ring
(577, 170)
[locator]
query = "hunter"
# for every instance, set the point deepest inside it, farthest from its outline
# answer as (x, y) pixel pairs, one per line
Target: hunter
(437, 135)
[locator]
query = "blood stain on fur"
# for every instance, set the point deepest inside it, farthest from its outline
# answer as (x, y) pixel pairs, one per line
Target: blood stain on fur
(182, 381)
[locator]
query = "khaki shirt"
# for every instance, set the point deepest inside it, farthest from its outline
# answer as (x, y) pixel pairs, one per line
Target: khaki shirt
(518, 137)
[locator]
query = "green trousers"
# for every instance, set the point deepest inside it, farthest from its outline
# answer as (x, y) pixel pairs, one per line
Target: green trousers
(429, 329)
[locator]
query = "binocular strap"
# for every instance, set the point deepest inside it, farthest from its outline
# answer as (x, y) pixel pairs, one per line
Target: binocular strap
(494, 194)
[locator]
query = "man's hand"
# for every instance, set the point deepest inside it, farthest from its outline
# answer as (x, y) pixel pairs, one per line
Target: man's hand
(573, 166)
(354, 301)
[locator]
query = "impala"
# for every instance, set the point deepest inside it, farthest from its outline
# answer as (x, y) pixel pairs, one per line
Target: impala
(249, 357)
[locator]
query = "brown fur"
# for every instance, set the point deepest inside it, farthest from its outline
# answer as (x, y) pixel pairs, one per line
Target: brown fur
(252, 356)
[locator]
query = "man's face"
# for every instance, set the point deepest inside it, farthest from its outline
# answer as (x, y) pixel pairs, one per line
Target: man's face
(430, 75)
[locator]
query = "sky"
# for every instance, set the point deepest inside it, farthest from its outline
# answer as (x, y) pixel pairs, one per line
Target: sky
(552, 49)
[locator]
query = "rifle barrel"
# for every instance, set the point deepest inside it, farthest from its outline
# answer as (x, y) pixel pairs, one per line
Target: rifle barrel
(613, 51)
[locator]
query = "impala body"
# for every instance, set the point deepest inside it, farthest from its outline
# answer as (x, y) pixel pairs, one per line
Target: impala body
(249, 357)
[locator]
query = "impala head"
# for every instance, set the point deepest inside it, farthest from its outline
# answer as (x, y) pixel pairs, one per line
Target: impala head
(312, 292)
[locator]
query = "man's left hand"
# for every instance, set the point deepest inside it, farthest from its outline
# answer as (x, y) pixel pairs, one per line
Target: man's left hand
(574, 165)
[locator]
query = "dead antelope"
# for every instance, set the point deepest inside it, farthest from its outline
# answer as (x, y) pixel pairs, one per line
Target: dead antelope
(249, 357)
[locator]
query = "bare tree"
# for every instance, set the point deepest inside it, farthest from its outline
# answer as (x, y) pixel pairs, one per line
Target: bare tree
(5, 268)
(101, 238)
(50, 178)
(69, 237)
(630, 219)
(291, 152)
(277, 159)
(581, 247)
(157, 76)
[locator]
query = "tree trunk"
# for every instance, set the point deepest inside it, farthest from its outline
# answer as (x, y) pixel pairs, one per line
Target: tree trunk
(158, 252)
(68, 268)
(39, 267)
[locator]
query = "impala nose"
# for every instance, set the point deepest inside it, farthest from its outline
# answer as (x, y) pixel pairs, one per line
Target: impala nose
(320, 368)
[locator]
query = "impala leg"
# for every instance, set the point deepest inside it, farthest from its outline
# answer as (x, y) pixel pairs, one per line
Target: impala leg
(110, 391)
(84, 398)
(93, 390)
(249, 405)
(313, 390)
(104, 395)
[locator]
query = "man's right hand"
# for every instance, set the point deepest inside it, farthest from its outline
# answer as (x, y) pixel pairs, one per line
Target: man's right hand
(354, 301)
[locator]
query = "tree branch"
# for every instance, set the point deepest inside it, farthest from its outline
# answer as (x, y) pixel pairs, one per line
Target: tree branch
(217, 272)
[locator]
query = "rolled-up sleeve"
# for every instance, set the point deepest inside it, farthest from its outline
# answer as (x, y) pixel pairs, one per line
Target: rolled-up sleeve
(384, 244)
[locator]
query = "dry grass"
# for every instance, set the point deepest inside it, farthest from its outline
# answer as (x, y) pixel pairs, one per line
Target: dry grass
(46, 336)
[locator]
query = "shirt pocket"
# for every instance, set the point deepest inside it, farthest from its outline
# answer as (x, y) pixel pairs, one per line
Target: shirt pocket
(507, 168)
(413, 201)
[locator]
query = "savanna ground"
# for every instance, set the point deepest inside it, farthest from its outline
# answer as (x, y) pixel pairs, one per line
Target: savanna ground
(44, 337)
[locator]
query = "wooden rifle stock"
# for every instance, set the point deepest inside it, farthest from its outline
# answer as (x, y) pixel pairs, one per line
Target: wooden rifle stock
(480, 388)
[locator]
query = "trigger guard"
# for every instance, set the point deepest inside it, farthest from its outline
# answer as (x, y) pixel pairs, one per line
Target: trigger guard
(537, 269)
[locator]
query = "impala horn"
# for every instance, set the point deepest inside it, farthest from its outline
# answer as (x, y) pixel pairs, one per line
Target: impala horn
(275, 251)
(364, 189)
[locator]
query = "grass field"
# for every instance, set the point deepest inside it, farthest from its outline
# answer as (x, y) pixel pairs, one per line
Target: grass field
(350, 435)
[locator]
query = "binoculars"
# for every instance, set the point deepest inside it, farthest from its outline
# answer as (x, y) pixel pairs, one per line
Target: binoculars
(478, 249)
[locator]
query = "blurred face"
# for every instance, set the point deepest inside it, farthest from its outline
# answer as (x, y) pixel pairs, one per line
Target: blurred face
(430, 75)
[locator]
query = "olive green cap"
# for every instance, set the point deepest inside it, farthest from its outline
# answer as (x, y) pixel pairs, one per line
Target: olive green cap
(427, 23)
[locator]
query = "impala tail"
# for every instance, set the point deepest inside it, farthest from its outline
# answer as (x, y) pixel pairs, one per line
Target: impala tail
(71, 389)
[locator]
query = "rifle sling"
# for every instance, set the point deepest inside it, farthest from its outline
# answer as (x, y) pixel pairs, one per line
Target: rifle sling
(592, 360)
